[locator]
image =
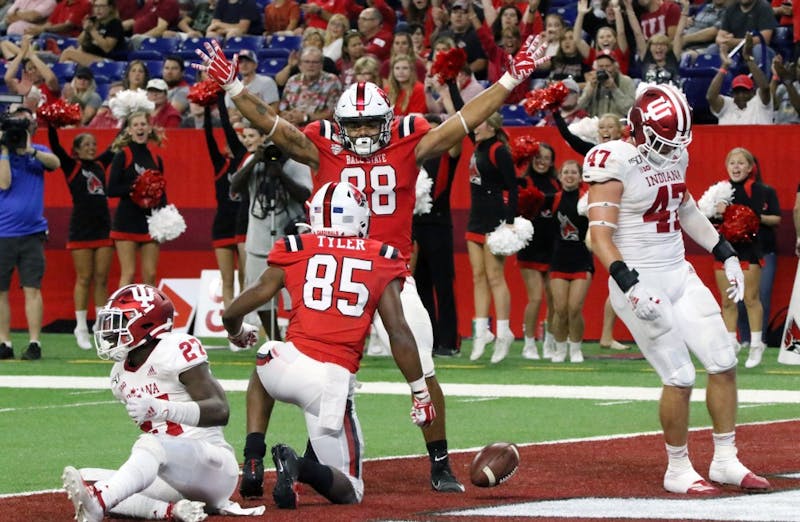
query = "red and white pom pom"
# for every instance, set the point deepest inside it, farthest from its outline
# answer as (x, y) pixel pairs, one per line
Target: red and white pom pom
(448, 64)
(60, 113)
(523, 149)
(506, 241)
(165, 224)
(720, 192)
(204, 93)
(548, 98)
(424, 201)
(126, 102)
(148, 189)
(739, 224)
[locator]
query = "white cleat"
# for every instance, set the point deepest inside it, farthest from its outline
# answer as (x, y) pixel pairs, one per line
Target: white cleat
(530, 352)
(734, 473)
(479, 344)
(87, 506)
(188, 511)
(754, 356)
(688, 482)
(501, 346)
(82, 338)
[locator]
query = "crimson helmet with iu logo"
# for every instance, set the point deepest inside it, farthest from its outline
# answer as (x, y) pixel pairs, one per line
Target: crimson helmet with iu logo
(364, 104)
(133, 315)
(661, 124)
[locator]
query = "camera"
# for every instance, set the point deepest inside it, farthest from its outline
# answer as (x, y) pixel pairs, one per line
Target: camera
(602, 76)
(15, 130)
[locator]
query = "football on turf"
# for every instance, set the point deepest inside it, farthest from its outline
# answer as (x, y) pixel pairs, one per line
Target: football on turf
(494, 464)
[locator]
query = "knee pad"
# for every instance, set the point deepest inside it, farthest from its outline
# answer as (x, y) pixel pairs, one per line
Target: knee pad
(683, 377)
(149, 443)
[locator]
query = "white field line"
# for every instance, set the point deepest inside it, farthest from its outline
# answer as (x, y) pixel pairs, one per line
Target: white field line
(599, 393)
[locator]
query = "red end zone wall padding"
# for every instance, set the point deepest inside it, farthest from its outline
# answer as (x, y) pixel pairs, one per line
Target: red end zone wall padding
(190, 187)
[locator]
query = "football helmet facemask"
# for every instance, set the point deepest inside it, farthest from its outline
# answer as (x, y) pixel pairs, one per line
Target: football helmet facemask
(133, 315)
(364, 104)
(661, 124)
(339, 209)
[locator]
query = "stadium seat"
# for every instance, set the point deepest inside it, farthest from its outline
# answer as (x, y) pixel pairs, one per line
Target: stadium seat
(567, 12)
(237, 43)
(285, 42)
(108, 71)
(154, 67)
(515, 114)
(186, 48)
(271, 67)
(278, 52)
(262, 4)
(64, 71)
(705, 66)
(154, 48)
(102, 89)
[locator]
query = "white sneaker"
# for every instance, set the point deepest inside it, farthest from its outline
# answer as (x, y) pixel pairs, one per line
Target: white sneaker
(549, 349)
(501, 346)
(575, 354)
(754, 355)
(559, 353)
(82, 338)
(733, 472)
(188, 511)
(530, 352)
(87, 506)
(688, 482)
(479, 343)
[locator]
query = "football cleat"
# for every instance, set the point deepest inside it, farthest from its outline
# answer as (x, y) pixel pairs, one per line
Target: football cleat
(88, 507)
(687, 482)
(443, 480)
(287, 466)
(188, 511)
(732, 472)
(252, 485)
(479, 343)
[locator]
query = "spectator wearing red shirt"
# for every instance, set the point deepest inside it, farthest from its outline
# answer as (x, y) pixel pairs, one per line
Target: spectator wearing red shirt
(659, 17)
(406, 93)
(281, 16)
(164, 115)
(66, 19)
(498, 56)
(403, 46)
(155, 17)
(318, 12)
(377, 35)
(783, 11)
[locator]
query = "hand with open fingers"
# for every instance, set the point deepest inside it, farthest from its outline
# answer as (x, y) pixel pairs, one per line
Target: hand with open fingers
(247, 336)
(219, 68)
(733, 271)
(148, 408)
(422, 410)
(530, 56)
(644, 302)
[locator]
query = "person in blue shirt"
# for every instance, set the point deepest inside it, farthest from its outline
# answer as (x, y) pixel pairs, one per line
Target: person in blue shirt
(23, 227)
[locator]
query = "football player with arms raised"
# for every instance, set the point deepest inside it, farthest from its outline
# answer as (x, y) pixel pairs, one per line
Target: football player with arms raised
(337, 279)
(638, 205)
(182, 463)
(367, 147)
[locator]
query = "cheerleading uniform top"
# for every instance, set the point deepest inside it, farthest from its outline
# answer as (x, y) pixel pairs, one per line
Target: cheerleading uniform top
(493, 187)
(130, 220)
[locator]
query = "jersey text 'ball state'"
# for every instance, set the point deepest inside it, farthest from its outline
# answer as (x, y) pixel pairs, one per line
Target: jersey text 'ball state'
(494, 464)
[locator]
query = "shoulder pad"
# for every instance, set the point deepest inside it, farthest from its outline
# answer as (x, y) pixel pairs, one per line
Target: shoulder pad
(609, 161)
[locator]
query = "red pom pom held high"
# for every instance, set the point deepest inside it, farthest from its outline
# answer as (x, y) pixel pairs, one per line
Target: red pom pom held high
(548, 98)
(448, 64)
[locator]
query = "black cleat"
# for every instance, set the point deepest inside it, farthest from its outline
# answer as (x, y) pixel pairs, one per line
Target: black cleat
(32, 353)
(443, 480)
(441, 351)
(6, 352)
(287, 467)
(252, 485)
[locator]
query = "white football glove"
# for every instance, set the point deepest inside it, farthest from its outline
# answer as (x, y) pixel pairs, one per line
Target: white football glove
(643, 302)
(247, 336)
(143, 409)
(733, 271)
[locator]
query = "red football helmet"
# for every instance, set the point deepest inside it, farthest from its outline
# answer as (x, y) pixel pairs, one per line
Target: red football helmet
(661, 124)
(133, 315)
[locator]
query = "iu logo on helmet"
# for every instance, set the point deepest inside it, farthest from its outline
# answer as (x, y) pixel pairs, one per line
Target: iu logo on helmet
(657, 109)
(144, 295)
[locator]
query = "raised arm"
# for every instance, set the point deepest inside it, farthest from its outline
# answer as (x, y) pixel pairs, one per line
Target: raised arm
(577, 30)
(282, 133)
(713, 96)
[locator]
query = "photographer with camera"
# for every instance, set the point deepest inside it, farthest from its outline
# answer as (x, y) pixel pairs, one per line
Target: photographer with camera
(23, 227)
(607, 89)
(278, 187)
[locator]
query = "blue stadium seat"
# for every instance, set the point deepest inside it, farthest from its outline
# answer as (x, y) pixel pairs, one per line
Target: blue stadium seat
(515, 114)
(250, 41)
(64, 71)
(102, 89)
(154, 67)
(262, 4)
(266, 54)
(271, 66)
(108, 71)
(186, 48)
(568, 12)
(155, 48)
(782, 42)
(285, 42)
(705, 66)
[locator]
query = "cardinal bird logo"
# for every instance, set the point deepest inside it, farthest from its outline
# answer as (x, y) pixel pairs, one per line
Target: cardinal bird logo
(792, 339)
(93, 184)
(569, 232)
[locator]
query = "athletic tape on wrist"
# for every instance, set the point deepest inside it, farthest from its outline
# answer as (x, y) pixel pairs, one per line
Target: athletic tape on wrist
(234, 88)
(508, 81)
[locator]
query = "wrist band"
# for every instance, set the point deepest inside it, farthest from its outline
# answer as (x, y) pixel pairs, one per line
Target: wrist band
(463, 122)
(508, 81)
(722, 70)
(623, 276)
(234, 88)
(274, 126)
(723, 250)
(418, 385)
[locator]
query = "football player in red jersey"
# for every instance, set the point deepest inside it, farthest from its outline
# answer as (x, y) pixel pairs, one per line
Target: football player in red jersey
(638, 210)
(369, 148)
(337, 279)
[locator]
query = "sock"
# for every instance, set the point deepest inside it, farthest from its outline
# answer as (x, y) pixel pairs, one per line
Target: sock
(732, 336)
(80, 319)
(678, 457)
(502, 327)
(724, 445)
(561, 346)
(548, 337)
(481, 324)
(316, 475)
(437, 452)
(254, 446)
(755, 339)
(575, 346)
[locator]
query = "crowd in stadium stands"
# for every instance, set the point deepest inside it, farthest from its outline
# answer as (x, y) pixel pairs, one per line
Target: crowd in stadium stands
(734, 60)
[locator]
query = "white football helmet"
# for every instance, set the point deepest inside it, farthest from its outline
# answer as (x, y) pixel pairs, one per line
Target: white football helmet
(661, 124)
(364, 103)
(133, 315)
(339, 209)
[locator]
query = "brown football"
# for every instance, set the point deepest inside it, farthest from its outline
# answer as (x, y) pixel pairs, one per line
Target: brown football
(494, 464)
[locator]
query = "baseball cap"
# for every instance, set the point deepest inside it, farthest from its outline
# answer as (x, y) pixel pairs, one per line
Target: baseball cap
(157, 84)
(84, 72)
(248, 54)
(607, 54)
(742, 81)
(572, 85)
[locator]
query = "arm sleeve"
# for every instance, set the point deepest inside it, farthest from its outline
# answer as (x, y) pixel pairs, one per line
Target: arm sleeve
(118, 184)
(577, 144)
(67, 163)
(506, 166)
(231, 137)
(217, 160)
(697, 225)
